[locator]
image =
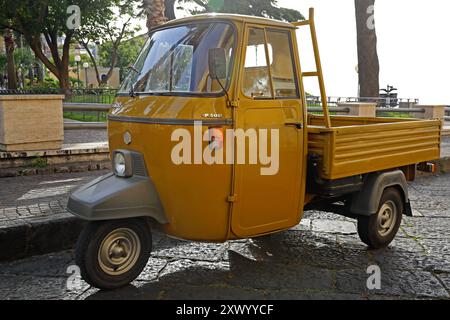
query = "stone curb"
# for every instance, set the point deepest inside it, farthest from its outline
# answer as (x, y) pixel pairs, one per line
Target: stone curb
(39, 235)
(73, 167)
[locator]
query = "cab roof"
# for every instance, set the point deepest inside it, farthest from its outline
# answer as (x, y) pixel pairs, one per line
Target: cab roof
(231, 17)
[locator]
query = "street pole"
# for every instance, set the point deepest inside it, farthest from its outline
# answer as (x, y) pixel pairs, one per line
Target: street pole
(77, 60)
(86, 66)
(78, 74)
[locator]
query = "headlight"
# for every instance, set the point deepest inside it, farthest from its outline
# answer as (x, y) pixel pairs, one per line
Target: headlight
(119, 164)
(123, 162)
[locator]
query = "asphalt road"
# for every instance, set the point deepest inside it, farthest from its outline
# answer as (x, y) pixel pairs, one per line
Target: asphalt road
(320, 259)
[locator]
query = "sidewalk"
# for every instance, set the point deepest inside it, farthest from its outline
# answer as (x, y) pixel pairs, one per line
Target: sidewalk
(85, 136)
(33, 219)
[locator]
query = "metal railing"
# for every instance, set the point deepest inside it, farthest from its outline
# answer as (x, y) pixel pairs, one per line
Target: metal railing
(314, 101)
(84, 125)
(383, 105)
(74, 95)
(100, 96)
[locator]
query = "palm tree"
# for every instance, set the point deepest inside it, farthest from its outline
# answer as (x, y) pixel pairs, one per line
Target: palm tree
(11, 66)
(154, 9)
(170, 9)
(368, 64)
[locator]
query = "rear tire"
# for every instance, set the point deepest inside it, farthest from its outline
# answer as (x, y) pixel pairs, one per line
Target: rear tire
(111, 254)
(378, 230)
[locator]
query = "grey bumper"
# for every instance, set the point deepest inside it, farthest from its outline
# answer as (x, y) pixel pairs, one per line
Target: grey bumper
(110, 197)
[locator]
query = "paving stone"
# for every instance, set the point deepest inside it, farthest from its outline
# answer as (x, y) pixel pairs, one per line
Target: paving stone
(313, 295)
(171, 248)
(398, 283)
(436, 228)
(220, 292)
(152, 269)
(445, 279)
(269, 275)
(309, 254)
(37, 288)
(304, 225)
(334, 226)
(38, 265)
(195, 272)
(436, 263)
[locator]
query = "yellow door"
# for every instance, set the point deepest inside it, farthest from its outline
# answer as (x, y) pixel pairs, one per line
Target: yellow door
(268, 192)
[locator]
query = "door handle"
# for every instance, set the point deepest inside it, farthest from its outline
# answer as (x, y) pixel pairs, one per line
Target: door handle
(298, 125)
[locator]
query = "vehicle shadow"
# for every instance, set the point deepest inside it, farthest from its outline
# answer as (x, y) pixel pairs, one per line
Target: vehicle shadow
(288, 265)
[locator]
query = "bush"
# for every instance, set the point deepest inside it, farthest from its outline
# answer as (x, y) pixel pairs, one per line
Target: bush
(39, 162)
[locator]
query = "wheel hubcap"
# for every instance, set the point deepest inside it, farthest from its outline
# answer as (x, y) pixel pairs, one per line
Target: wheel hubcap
(119, 251)
(387, 217)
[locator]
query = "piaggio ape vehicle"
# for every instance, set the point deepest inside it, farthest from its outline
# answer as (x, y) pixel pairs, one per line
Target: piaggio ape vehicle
(203, 76)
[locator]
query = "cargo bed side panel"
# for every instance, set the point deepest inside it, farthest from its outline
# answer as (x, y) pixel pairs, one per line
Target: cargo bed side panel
(359, 149)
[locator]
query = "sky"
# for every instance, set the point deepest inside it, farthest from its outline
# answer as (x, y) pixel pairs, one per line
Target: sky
(413, 46)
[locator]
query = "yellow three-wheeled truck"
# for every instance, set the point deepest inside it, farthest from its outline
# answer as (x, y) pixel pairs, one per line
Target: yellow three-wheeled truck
(206, 76)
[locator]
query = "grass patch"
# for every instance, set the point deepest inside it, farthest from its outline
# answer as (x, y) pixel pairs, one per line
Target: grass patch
(103, 99)
(394, 115)
(86, 116)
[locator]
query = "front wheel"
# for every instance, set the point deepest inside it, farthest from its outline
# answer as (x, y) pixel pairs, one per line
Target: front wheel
(378, 230)
(111, 254)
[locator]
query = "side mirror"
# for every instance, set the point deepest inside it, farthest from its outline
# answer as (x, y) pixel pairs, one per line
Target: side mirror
(217, 63)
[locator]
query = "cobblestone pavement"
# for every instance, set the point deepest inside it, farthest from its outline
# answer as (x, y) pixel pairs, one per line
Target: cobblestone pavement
(22, 198)
(322, 259)
(85, 136)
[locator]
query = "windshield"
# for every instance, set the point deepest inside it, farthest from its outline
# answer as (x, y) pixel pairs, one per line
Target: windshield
(176, 60)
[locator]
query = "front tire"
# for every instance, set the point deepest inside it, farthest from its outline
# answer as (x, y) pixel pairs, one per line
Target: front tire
(111, 254)
(378, 230)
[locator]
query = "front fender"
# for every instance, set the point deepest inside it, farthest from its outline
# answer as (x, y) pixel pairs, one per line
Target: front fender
(110, 197)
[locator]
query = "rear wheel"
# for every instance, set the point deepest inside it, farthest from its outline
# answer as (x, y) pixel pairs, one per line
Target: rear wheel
(378, 230)
(111, 254)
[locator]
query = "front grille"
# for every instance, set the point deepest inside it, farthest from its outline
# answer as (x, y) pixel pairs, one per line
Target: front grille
(139, 168)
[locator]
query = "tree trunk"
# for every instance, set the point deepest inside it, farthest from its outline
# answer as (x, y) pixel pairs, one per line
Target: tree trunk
(85, 44)
(41, 71)
(11, 66)
(155, 13)
(64, 82)
(170, 9)
(368, 64)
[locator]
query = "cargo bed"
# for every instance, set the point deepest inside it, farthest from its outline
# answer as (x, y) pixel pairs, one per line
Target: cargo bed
(356, 145)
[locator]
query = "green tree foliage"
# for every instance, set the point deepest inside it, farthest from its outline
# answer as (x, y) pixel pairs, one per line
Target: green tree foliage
(48, 20)
(33, 18)
(115, 26)
(261, 8)
(23, 57)
(126, 54)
